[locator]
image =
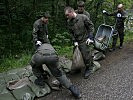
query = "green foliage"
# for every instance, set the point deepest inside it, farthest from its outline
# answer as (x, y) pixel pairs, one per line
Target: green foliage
(128, 36)
(64, 51)
(62, 39)
(15, 62)
(18, 61)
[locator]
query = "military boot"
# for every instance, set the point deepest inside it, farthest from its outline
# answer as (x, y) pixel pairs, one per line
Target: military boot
(75, 91)
(121, 43)
(90, 70)
(40, 81)
(112, 49)
(87, 73)
(67, 83)
(96, 66)
(120, 47)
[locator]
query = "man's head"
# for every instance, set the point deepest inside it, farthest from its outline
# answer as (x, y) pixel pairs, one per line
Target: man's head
(81, 6)
(69, 13)
(120, 7)
(45, 17)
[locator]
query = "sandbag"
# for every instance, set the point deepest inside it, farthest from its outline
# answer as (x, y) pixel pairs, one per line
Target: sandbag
(54, 83)
(65, 64)
(39, 92)
(11, 76)
(3, 89)
(16, 84)
(29, 70)
(102, 39)
(24, 73)
(96, 66)
(21, 72)
(20, 89)
(7, 96)
(2, 80)
(24, 93)
(77, 61)
(98, 56)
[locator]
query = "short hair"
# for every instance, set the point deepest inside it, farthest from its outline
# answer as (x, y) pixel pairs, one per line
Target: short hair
(120, 6)
(80, 3)
(69, 9)
(46, 14)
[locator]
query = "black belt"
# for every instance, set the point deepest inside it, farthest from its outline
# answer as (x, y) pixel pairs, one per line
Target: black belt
(46, 54)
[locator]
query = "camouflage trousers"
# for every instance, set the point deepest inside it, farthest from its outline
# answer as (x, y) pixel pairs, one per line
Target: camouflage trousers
(51, 61)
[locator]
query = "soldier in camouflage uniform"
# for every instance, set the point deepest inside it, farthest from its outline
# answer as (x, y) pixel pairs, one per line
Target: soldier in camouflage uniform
(40, 30)
(81, 9)
(46, 54)
(81, 29)
(120, 16)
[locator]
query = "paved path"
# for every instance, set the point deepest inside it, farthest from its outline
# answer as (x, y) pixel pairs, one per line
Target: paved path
(114, 81)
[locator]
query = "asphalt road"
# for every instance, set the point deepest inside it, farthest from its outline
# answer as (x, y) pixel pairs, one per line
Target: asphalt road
(114, 81)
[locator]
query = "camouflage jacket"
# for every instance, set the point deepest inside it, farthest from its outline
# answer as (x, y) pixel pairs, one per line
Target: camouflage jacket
(81, 28)
(40, 31)
(84, 12)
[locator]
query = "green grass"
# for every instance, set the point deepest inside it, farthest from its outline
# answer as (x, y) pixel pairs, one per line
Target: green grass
(14, 62)
(64, 51)
(128, 36)
(23, 60)
(17, 62)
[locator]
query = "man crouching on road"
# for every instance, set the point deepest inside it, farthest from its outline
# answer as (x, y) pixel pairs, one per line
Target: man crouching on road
(46, 54)
(81, 29)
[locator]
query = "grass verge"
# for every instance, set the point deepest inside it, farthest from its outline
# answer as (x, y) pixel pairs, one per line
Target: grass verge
(14, 62)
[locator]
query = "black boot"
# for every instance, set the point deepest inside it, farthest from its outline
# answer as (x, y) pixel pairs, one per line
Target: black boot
(112, 49)
(87, 73)
(40, 82)
(120, 47)
(75, 91)
(67, 83)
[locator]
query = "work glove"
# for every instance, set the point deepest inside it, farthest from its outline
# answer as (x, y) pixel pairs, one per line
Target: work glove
(47, 36)
(88, 41)
(104, 11)
(119, 15)
(75, 43)
(38, 43)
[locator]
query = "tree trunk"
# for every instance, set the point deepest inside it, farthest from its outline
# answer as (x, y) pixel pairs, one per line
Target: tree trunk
(75, 4)
(115, 4)
(8, 14)
(9, 31)
(34, 5)
(67, 2)
(96, 12)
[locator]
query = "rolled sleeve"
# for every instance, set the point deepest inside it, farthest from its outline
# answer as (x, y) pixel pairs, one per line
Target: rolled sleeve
(35, 30)
(90, 27)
